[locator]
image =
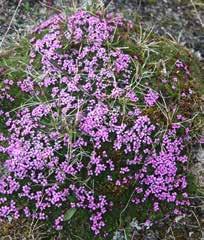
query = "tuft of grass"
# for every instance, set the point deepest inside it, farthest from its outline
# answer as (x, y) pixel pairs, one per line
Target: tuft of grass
(22, 229)
(15, 59)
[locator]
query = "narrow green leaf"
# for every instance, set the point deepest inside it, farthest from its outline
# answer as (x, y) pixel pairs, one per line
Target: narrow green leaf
(69, 214)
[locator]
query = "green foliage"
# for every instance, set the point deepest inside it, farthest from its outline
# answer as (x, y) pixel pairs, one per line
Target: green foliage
(15, 60)
(69, 214)
(192, 185)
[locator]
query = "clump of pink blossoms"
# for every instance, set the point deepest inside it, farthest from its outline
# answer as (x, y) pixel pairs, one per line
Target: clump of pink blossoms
(78, 132)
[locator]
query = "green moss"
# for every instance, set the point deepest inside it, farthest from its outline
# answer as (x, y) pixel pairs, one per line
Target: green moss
(192, 184)
(14, 62)
(15, 59)
(152, 2)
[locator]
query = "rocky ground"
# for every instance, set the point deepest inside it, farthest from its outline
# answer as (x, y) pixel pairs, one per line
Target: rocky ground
(181, 20)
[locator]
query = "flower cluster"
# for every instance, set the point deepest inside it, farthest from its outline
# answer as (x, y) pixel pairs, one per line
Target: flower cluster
(151, 98)
(85, 128)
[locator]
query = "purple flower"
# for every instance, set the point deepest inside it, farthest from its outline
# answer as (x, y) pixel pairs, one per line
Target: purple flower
(81, 127)
(151, 98)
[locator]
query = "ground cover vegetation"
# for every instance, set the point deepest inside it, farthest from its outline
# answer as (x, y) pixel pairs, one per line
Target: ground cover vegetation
(98, 118)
